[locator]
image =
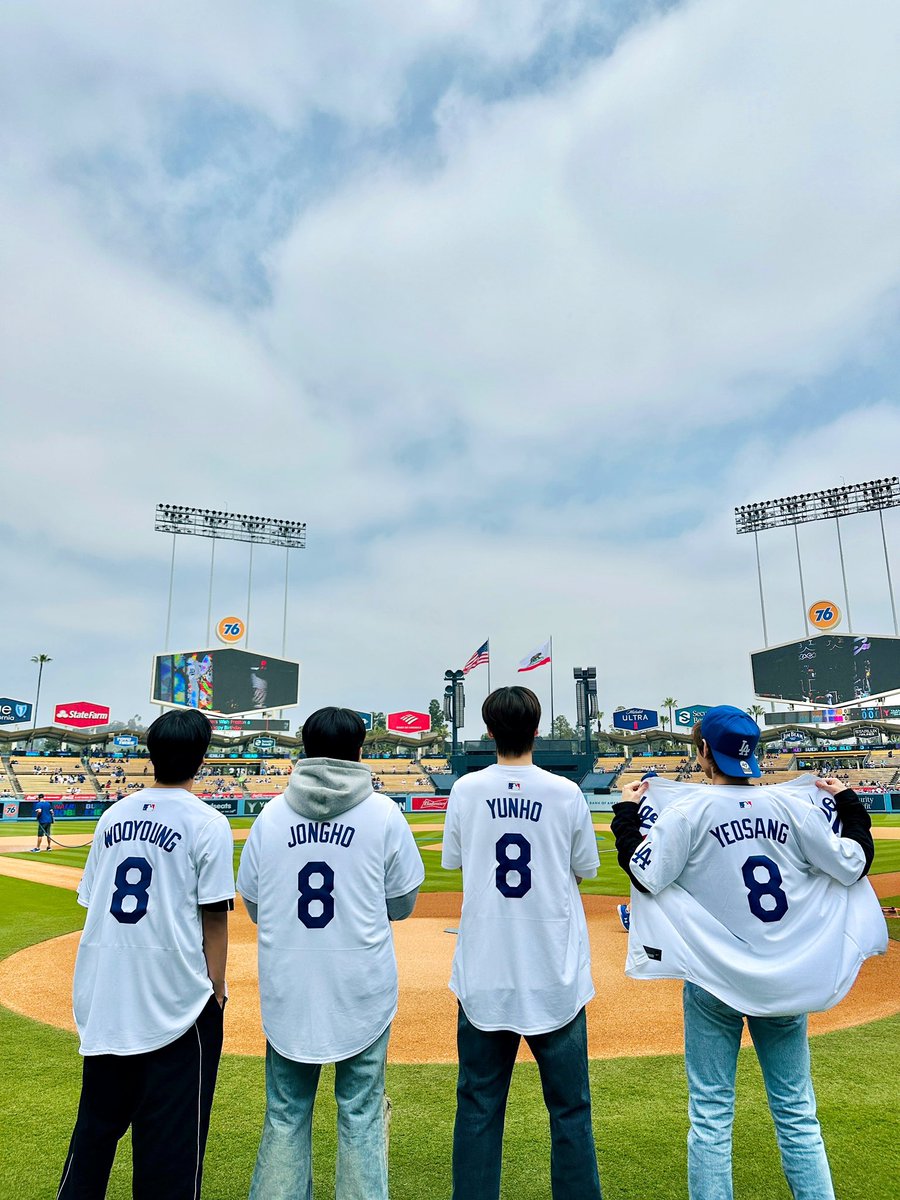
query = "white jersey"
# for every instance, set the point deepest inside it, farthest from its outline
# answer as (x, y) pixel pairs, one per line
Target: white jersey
(754, 896)
(141, 977)
(523, 959)
(327, 971)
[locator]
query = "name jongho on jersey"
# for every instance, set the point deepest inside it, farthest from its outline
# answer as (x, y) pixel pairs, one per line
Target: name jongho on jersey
(326, 833)
(153, 832)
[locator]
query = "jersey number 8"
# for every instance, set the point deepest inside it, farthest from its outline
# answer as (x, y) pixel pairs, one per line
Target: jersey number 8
(520, 865)
(138, 889)
(309, 893)
(770, 886)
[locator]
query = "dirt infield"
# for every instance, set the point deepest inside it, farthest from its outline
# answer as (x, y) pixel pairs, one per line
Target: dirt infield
(627, 1018)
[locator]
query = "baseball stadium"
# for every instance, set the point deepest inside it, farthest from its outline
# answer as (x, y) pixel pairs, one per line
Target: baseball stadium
(515, 815)
(635, 1034)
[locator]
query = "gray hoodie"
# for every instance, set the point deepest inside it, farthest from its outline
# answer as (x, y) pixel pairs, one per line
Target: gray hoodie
(321, 789)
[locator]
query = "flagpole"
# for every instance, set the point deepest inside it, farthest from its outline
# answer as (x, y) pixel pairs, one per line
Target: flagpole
(489, 665)
(552, 714)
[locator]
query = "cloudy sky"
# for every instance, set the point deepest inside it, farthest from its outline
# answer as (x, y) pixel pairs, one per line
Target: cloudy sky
(511, 300)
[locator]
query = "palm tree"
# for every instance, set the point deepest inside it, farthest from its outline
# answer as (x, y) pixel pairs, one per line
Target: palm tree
(756, 711)
(40, 659)
(669, 703)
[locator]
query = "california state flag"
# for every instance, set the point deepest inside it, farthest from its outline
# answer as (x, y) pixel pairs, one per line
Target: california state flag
(539, 658)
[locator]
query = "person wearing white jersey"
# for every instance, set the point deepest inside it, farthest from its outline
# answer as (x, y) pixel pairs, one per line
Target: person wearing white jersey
(522, 966)
(764, 873)
(326, 868)
(149, 985)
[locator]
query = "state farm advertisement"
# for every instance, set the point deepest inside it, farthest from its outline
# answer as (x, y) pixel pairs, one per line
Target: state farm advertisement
(428, 803)
(409, 721)
(81, 714)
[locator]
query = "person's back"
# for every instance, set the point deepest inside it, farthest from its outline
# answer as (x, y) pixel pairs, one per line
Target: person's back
(149, 985)
(326, 866)
(523, 838)
(752, 872)
(521, 835)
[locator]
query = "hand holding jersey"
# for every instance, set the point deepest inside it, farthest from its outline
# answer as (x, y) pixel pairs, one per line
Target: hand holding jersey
(725, 895)
(751, 895)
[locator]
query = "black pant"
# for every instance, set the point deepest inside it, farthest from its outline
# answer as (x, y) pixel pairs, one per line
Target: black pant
(166, 1097)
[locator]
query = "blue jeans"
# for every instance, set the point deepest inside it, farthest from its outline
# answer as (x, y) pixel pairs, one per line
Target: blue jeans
(284, 1164)
(712, 1038)
(486, 1062)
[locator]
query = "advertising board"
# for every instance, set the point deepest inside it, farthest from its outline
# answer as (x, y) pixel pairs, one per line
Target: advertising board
(635, 719)
(408, 721)
(367, 720)
(14, 711)
(227, 805)
(687, 718)
(10, 809)
(428, 803)
(125, 740)
(225, 681)
(81, 714)
(831, 670)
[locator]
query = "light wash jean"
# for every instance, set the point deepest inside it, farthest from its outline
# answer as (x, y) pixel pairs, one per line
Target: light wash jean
(712, 1038)
(284, 1164)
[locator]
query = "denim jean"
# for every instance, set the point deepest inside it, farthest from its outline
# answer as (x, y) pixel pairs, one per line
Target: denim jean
(712, 1038)
(284, 1164)
(486, 1063)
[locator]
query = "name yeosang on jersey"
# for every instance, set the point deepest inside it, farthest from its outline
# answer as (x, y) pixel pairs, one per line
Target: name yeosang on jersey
(153, 832)
(730, 832)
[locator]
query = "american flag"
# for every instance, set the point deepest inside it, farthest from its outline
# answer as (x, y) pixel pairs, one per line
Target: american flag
(481, 655)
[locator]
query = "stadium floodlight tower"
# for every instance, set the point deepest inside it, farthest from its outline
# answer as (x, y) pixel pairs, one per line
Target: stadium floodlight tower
(585, 701)
(229, 527)
(829, 505)
(454, 705)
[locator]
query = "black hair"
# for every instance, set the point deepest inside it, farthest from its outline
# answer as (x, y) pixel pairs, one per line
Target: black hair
(512, 714)
(177, 742)
(334, 733)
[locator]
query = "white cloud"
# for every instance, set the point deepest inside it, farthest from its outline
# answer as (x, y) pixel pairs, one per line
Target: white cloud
(617, 269)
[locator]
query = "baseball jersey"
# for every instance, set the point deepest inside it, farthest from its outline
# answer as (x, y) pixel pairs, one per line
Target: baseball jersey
(141, 977)
(327, 970)
(753, 895)
(522, 959)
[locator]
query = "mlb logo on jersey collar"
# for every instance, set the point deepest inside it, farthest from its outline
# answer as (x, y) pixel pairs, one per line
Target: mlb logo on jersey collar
(513, 786)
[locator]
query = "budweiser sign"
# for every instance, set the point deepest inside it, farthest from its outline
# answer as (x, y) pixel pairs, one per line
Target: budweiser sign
(408, 722)
(81, 714)
(428, 803)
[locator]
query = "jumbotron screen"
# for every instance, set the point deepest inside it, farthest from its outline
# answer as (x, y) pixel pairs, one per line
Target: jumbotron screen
(830, 669)
(225, 681)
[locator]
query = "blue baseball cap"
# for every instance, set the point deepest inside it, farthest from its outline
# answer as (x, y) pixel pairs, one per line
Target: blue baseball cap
(732, 736)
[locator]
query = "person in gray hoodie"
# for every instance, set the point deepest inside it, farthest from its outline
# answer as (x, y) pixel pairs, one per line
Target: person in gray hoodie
(326, 868)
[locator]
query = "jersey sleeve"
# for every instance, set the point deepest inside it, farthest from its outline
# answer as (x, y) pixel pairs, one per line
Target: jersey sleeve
(584, 859)
(840, 857)
(248, 869)
(451, 852)
(662, 855)
(214, 857)
(403, 866)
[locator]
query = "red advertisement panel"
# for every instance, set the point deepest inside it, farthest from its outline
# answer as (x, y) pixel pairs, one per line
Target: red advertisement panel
(409, 722)
(81, 714)
(428, 803)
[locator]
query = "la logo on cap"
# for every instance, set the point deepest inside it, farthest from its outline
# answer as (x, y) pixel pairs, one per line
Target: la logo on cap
(744, 750)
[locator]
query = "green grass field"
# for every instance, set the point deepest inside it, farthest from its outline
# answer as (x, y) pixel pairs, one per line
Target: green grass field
(640, 1104)
(610, 880)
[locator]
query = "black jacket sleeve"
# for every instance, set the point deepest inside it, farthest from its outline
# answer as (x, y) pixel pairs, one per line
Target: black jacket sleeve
(626, 829)
(856, 824)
